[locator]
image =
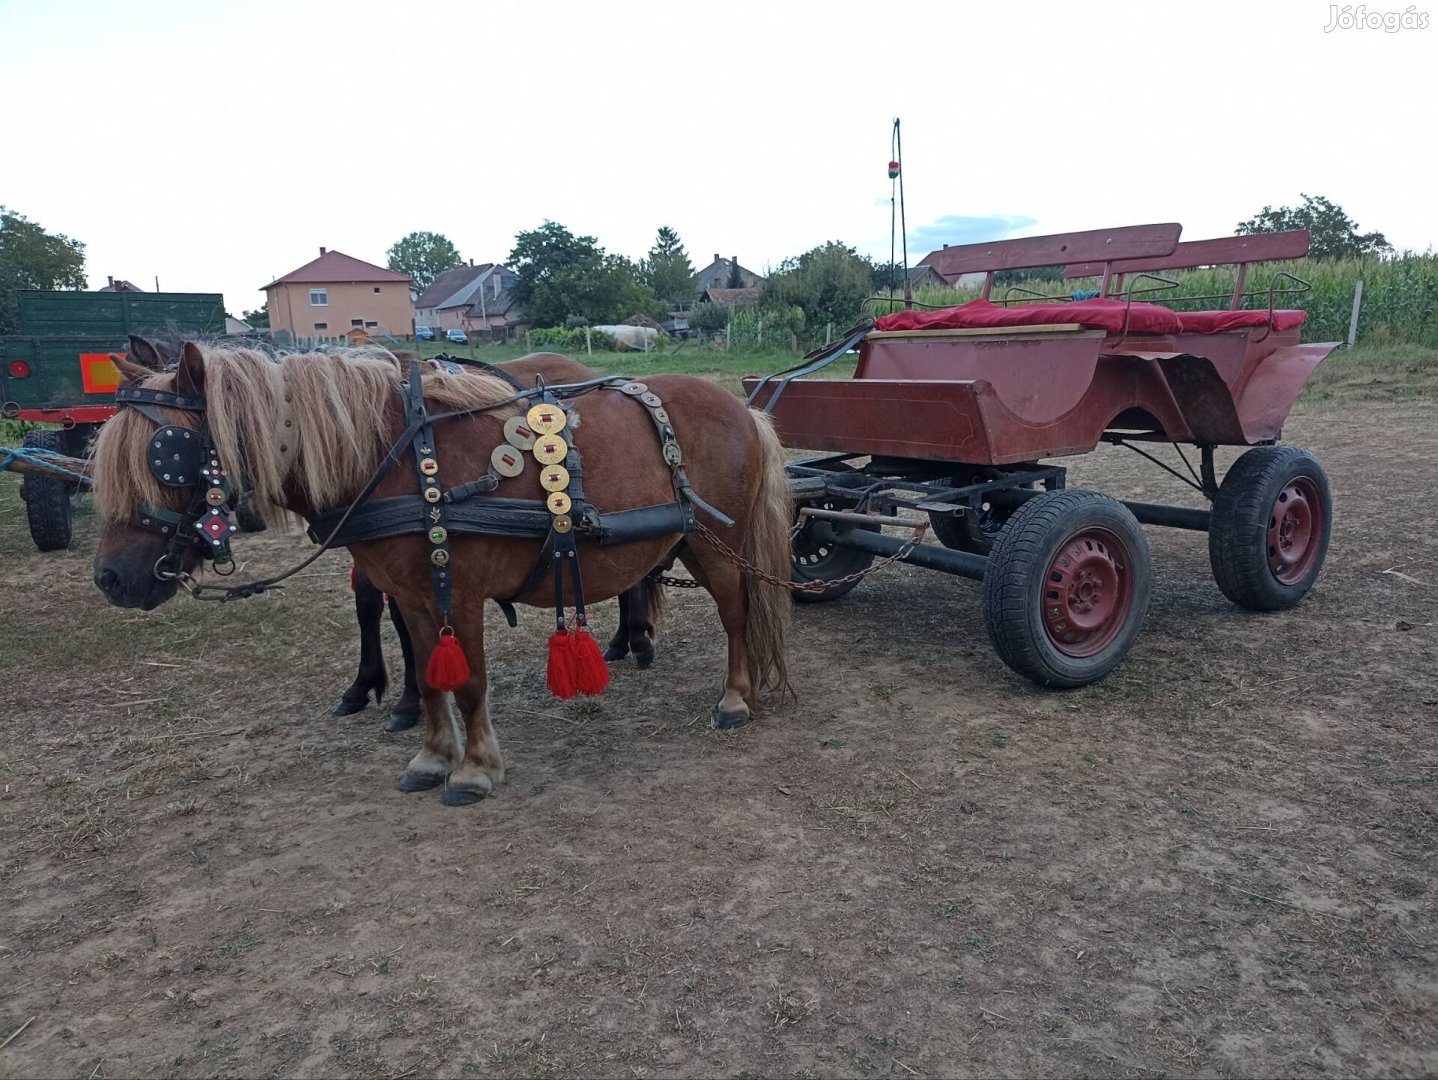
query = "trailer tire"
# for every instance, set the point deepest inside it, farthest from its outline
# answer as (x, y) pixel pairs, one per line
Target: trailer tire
(47, 499)
(1067, 587)
(811, 561)
(1269, 531)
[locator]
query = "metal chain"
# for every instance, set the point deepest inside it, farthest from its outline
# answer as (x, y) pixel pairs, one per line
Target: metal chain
(920, 528)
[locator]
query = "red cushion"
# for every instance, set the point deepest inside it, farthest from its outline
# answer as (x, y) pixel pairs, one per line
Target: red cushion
(1215, 322)
(1099, 314)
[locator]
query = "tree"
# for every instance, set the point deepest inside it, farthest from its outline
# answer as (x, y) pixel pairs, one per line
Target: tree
(31, 258)
(1333, 234)
(259, 318)
(563, 275)
(735, 280)
(423, 256)
(667, 270)
(829, 284)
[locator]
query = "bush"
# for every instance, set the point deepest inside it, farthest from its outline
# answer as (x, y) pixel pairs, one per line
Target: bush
(569, 339)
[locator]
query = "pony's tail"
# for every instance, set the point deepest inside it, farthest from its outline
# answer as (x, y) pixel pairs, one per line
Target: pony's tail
(766, 545)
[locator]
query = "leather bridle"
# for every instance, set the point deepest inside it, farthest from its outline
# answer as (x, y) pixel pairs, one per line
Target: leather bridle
(186, 459)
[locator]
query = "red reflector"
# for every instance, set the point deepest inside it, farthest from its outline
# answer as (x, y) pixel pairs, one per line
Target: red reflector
(19, 369)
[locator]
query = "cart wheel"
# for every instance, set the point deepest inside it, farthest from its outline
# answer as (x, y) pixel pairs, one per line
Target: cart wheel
(1066, 588)
(1269, 532)
(971, 532)
(47, 499)
(815, 561)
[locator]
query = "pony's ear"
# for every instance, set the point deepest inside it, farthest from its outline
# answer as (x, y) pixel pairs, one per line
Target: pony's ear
(143, 352)
(130, 373)
(190, 379)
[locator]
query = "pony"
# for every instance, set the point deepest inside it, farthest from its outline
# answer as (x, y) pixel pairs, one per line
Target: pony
(639, 608)
(309, 431)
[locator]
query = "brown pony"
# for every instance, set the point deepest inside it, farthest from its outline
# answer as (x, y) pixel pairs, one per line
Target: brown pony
(344, 412)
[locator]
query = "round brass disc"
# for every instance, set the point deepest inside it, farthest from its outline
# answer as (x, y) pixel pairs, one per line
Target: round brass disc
(563, 523)
(550, 450)
(507, 460)
(545, 419)
(554, 478)
(558, 503)
(517, 433)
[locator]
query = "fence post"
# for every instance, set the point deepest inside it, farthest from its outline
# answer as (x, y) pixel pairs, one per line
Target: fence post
(588, 342)
(528, 342)
(728, 335)
(761, 331)
(1353, 319)
(828, 333)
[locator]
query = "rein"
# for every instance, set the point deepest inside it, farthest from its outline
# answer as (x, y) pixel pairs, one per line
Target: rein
(144, 401)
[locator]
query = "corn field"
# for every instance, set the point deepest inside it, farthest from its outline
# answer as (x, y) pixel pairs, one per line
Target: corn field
(1400, 295)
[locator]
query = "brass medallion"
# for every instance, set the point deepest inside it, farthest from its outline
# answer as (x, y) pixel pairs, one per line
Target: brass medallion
(215, 496)
(546, 419)
(517, 433)
(431, 494)
(550, 450)
(439, 557)
(438, 535)
(507, 460)
(554, 478)
(563, 523)
(558, 503)
(428, 466)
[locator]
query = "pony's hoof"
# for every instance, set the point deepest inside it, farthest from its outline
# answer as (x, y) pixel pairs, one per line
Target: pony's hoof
(644, 656)
(463, 795)
(615, 652)
(419, 781)
(728, 721)
(399, 721)
(348, 706)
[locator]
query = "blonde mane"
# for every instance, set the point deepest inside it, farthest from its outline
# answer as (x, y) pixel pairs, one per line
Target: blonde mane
(336, 403)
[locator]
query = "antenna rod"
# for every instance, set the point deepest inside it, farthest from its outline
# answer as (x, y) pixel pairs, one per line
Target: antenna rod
(903, 223)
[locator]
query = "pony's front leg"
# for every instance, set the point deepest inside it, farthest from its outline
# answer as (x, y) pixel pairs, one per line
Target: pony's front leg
(429, 768)
(482, 766)
(724, 583)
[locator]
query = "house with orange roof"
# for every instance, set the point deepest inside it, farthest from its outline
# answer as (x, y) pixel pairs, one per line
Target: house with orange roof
(336, 293)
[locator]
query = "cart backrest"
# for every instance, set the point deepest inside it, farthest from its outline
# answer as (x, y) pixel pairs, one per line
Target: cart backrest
(1101, 247)
(1237, 251)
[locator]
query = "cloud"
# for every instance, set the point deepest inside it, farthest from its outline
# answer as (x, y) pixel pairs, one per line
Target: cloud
(966, 229)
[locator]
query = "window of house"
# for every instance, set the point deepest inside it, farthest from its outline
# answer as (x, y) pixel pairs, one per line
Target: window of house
(370, 325)
(322, 326)
(319, 297)
(356, 322)
(376, 288)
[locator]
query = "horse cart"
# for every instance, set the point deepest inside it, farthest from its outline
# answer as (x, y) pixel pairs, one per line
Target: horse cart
(952, 419)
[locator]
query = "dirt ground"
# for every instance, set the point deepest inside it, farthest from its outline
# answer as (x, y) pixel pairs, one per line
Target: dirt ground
(1219, 861)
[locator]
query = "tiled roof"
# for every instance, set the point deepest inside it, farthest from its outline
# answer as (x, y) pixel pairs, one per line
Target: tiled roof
(334, 267)
(450, 282)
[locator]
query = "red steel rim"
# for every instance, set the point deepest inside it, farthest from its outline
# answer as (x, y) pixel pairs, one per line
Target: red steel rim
(1295, 530)
(1087, 592)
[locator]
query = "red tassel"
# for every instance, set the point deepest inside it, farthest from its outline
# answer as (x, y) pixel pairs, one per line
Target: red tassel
(561, 664)
(591, 673)
(447, 669)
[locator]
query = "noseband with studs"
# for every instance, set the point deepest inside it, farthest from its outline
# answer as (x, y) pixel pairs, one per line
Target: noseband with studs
(184, 458)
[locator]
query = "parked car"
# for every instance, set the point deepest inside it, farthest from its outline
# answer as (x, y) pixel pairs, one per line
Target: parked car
(458, 336)
(423, 333)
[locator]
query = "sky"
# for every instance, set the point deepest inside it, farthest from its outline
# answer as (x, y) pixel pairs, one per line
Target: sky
(217, 146)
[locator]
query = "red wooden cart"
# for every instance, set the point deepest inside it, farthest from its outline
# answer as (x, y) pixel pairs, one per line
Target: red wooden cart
(951, 413)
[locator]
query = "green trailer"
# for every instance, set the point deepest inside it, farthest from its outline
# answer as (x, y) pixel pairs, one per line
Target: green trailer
(59, 370)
